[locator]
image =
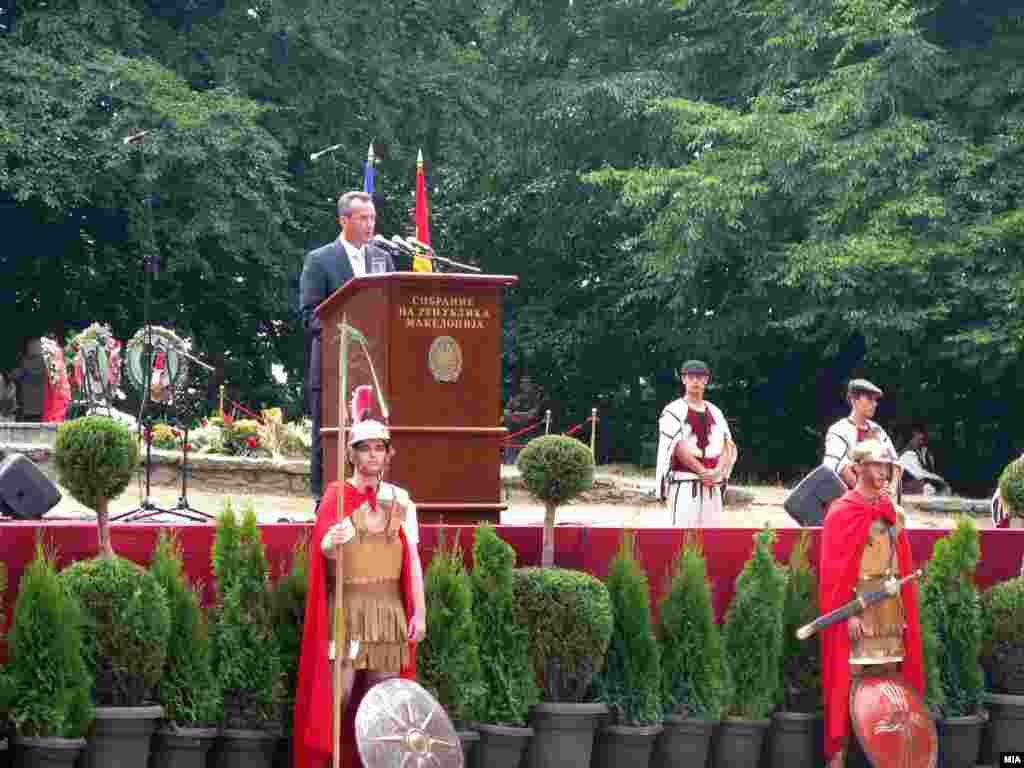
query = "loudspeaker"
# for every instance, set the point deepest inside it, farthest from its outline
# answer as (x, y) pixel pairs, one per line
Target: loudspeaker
(808, 502)
(25, 492)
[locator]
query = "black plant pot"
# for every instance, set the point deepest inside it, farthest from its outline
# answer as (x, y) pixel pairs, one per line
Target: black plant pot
(244, 749)
(793, 740)
(683, 741)
(467, 739)
(1005, 731)
(738, 742)
(563, 733)
(624, 746)
(120, 737)
(3, 753)
(960, 740)
(500, 746)
(182, 747)
(283, 755)
(47, 753)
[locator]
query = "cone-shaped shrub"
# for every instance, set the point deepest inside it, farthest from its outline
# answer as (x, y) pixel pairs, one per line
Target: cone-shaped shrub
(631, 681)
(126, 624)
(950, 598)
(692, 666)
(188, 690)
(247, 660)
(568, 615)
(510, 688)
(555, 469)
(289, 613)
(800, 687)
(752, 637)
(448, 658)
(48, 682)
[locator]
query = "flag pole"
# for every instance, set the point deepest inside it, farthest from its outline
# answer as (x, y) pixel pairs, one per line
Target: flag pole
(339, 616)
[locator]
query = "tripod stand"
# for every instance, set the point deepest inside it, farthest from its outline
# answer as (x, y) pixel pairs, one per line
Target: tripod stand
(146, 508)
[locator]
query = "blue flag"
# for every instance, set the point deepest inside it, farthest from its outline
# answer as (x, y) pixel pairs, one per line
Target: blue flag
(368, 173)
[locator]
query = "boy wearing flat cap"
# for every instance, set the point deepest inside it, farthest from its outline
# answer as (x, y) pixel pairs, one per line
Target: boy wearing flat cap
(843, 436)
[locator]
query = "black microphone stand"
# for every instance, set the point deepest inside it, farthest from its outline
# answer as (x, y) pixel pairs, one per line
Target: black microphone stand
(151, 265)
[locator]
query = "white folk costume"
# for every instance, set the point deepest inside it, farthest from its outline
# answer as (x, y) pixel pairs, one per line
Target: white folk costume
(843, 436)
(704, 432)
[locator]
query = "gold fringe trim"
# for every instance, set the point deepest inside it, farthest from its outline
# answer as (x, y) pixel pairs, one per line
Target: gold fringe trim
(382, 657)
(375, 620)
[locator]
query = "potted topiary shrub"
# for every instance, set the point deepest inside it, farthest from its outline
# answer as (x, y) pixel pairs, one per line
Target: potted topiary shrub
(510, 688)
(247, 661)
(630, 683)
(448, 658)
(47, 682)
(950, 599)
(95, 458)
(692, 665)
(187, 690)
(289, 616)
(1002, 655)
(1011, 489)
(568, 616)
(796, 737)
(555, 469)
(752, 639)
(126, 623)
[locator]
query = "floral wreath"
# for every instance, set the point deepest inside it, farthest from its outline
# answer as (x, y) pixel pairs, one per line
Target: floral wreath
(170, 342)
(100, 335)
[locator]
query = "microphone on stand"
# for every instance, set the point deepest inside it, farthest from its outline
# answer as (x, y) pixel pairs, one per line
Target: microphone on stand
(326, 150)
(135, 137)
(386, 245)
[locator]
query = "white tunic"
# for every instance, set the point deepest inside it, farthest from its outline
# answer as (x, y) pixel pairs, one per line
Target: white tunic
(841, 438)
(687, 503)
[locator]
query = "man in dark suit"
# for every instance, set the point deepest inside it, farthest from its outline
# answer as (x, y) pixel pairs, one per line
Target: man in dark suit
(324, 271)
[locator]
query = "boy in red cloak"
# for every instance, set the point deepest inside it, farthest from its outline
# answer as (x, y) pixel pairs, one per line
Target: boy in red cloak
(383, 599)
(864, 543)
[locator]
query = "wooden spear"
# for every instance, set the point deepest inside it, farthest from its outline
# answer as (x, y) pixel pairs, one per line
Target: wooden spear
(339, 615)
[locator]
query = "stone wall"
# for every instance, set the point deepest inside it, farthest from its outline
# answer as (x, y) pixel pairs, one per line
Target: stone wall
(285, 477)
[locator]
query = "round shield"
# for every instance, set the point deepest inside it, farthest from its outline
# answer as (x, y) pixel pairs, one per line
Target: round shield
(892, 723)
(400, 725)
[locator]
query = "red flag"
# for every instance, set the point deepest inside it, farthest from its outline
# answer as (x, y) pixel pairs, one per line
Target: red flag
(422, 212)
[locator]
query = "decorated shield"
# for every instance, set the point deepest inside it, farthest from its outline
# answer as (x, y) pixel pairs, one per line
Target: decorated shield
(400, 725)
(892, 723)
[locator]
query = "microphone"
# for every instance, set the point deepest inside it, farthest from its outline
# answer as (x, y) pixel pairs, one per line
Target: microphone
(406, 248)
(326, 150)
(135, 137)
(419, 244)
(386, 245)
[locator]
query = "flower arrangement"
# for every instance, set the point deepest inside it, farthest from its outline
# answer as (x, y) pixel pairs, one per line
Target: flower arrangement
(100, 339)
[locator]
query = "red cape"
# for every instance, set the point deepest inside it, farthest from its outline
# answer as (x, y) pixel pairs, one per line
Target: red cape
(313, 699)
(845, 535)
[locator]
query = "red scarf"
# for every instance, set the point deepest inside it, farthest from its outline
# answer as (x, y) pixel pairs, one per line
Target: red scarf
(846, 532)
(701, 429)
(313, 699)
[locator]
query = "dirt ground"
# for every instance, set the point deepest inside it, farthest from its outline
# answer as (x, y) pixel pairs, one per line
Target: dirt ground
(620, 498)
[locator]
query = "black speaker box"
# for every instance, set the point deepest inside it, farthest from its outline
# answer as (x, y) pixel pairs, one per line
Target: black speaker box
(25, 492)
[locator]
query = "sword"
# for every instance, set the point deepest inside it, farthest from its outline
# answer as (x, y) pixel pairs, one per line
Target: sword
(856, 607)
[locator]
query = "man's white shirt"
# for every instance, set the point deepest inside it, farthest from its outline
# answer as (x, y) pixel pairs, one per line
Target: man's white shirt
(356, 257)
(841, 438)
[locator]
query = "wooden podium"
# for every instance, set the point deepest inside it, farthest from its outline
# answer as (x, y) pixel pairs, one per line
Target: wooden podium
(435, 343)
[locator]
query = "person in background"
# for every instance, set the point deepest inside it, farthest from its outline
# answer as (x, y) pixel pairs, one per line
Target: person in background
(845, 434)
(696, 454)
(918, 463)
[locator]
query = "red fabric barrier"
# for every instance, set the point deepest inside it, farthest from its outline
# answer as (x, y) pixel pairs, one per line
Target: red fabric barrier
(579, 547)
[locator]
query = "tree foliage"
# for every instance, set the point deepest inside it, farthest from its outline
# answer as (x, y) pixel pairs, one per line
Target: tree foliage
(800, 192)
